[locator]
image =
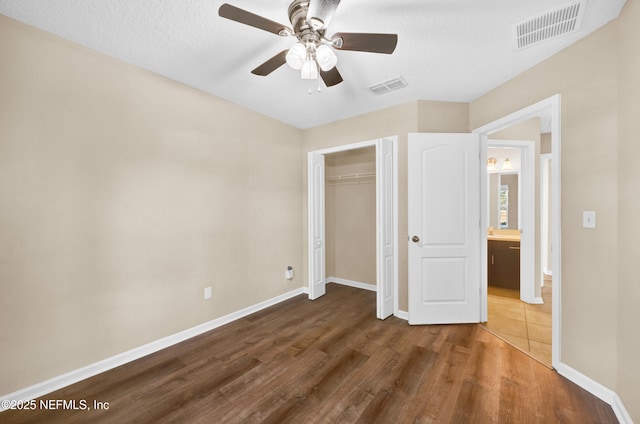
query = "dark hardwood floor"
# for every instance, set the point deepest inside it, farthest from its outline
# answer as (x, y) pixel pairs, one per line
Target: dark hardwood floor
(330, 361)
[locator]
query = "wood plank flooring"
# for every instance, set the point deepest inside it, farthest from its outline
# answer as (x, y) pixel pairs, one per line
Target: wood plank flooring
(330, 361)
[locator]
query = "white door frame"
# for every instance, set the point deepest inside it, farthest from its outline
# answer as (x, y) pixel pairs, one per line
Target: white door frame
(316, 219)
(550, 105)
(545, 179)
(526, 213)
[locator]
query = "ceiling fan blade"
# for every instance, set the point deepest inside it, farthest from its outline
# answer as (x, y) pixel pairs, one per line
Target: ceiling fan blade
(240, 15)
(365, 42)
(321, 11)
(271, 65)
(331, 77)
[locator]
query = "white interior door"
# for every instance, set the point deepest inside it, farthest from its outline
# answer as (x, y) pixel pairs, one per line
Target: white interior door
(444, 228)
(316, 226)
(385, 217)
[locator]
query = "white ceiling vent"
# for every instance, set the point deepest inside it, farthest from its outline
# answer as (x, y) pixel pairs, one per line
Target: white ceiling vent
(388, 85)
(548, 25)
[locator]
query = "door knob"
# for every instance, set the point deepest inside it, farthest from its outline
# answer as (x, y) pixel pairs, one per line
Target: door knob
(415, 239)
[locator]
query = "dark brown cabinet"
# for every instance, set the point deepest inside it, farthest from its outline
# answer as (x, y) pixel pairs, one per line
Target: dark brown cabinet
(504, 264)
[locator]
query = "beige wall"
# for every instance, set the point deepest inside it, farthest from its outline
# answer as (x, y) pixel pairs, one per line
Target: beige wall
(123, 195)
(599, 80)
(629, 207)
(350, 216)
(423, 116)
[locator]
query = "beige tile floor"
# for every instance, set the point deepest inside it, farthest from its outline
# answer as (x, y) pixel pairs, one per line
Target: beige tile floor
(528, 327)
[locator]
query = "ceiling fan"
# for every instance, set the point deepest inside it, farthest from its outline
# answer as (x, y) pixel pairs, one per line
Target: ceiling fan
(313, 53)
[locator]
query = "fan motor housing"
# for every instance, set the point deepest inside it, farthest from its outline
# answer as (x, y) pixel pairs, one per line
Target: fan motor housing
(298, 15)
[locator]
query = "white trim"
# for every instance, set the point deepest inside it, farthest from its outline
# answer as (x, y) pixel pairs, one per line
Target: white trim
(396, 253)
(621, 412)
(586, 383)
(350, 283)
(598, 390)
(402, 315)
(545, 180)
(56, 383)
(553, 105)
(483, 225)
(347, 147)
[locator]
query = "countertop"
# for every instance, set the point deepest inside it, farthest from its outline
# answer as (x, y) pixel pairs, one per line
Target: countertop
(504, 235)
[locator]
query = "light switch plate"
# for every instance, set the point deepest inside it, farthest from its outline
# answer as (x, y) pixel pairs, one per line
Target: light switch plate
(588, 219)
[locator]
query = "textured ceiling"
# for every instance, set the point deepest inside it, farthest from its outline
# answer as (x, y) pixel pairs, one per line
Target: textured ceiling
(448, 50)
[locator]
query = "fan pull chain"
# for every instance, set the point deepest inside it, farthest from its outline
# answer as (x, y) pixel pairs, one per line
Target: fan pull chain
(319, 89)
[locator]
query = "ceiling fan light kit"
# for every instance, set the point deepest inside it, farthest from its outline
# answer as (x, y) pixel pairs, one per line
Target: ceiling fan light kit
(326, 58)
(301, 57)
(313, 54)
(296, 56)
(309, 70)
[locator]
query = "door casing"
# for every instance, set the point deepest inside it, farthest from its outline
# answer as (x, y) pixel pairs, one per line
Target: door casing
(385, 191)
(552, 107)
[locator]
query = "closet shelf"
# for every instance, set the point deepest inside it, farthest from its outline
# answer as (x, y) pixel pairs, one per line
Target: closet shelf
(359, 178)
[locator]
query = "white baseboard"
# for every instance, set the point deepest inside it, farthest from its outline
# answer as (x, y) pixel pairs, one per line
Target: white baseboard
(350, 283)
(597, 390)
(621, 412)
(45, 387)
(402, 315)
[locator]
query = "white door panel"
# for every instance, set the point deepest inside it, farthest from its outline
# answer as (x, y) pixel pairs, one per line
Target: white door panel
(444, 232)
(385, 216)
(316, 226)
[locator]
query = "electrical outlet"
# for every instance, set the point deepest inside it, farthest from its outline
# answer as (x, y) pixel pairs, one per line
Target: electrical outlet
(588, 219)
(289, 273)
(207, 293)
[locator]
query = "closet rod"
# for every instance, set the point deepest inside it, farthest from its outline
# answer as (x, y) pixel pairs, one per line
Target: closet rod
(351, 176)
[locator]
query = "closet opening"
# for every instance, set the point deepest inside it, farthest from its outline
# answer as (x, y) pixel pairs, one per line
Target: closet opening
(353, 220)
(350, 217)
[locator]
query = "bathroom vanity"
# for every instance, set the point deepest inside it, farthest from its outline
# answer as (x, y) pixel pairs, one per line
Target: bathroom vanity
(504, 260)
